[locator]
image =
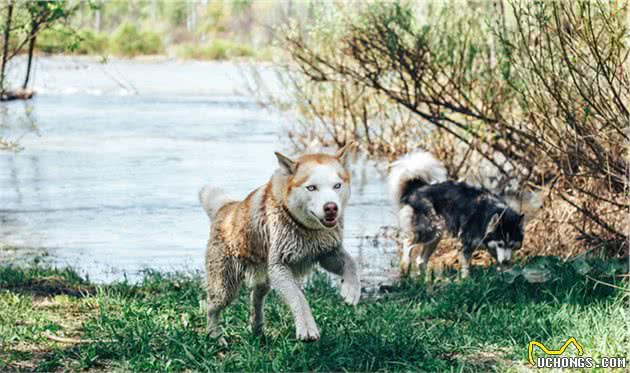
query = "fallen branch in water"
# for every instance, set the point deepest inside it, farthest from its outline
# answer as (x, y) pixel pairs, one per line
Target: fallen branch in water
(18, 94)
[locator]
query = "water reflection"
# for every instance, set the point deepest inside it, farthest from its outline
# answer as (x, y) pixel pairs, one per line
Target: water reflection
(16, 124)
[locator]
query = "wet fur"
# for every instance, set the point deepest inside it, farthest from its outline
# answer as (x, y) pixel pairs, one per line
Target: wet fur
(430, 207)
(267, 240)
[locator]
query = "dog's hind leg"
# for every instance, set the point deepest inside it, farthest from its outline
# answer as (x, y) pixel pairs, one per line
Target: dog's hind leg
(258, 295)
(428, 227)
(465, 256)
(224, 280)
(427, 250)
(407, 253)
(407, 229)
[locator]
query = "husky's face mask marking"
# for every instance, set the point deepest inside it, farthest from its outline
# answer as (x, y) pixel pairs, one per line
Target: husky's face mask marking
(318, 188)
(504, 236)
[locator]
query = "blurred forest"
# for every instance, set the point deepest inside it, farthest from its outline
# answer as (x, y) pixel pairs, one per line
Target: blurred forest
(186, 29)
(204, 29)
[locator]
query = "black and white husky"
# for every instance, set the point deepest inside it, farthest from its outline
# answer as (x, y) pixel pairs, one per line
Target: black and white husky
(429, 206)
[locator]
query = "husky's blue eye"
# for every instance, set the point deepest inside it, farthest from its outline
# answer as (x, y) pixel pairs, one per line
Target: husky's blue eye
(337, 186)
(311, 188)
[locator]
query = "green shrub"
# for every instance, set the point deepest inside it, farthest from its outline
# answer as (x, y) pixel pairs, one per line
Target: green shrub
(128, 41)
(62, 39)
(57, 39)
(152, 43)
(91, 42)
(218, 49)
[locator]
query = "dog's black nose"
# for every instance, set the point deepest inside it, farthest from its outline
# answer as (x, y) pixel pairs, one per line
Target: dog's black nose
(330, 209)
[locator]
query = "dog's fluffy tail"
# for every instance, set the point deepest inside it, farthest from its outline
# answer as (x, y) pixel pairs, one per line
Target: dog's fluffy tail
(212, 199)
(419, 166)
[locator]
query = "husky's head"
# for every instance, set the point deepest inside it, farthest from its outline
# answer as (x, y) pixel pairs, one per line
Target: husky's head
(504, 235)
(316, 188)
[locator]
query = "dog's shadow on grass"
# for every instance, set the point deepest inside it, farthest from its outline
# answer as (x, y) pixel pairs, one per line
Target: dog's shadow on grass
(50, 287)
(44, 282)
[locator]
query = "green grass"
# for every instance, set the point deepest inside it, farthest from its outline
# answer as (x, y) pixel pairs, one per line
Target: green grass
(483, 323)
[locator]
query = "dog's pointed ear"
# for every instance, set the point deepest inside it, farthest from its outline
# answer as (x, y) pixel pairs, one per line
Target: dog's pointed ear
(493, 223)
(343, 154)
(287, 165)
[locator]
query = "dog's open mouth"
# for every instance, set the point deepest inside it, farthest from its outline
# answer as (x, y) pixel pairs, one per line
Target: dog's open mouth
(329, 221)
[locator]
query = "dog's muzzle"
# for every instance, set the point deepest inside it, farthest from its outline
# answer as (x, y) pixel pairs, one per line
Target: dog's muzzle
(330, 214)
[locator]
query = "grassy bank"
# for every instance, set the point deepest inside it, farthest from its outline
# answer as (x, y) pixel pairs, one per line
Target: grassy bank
(157, 324)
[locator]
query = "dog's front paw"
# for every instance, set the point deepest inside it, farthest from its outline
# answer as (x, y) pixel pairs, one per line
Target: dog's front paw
(307, 333)
(351, 292)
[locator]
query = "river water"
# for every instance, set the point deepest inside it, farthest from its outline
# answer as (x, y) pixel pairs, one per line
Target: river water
(114, 154)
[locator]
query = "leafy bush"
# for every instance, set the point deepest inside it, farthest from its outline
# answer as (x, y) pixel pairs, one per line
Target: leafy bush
(91, 42)
(218, 49)
(58, 39)
(128, 41)
(61, 39)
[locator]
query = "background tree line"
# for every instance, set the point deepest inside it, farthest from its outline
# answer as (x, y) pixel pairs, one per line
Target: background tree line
(214, 29)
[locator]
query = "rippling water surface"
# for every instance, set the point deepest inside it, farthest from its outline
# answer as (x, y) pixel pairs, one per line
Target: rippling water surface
(108, 182)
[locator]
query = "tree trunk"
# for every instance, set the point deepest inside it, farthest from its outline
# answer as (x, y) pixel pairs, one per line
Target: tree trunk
(31, 48)
(5, 47)
(97, 15)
